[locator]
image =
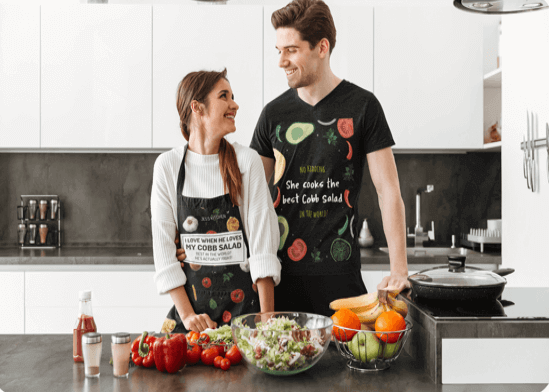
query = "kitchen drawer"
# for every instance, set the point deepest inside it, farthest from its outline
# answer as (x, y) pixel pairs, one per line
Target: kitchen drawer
(109, 289)
(12, 306)
(109, 319)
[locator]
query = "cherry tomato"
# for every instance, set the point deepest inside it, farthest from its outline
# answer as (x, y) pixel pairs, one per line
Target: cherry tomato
(194, 352)
(217, 361)
(203, 338)
(234, 355)
(221, 348)
(208, 355)
(192, 336)
(225, 364)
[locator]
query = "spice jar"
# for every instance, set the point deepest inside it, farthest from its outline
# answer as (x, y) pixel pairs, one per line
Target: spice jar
(120, 347)
(91, 348)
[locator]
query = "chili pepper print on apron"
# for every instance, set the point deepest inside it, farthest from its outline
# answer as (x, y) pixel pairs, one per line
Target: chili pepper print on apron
(219, 282)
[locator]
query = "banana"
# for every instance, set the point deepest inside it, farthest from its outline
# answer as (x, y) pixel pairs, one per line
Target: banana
(399, 306)
(369, 317)
(354, 302)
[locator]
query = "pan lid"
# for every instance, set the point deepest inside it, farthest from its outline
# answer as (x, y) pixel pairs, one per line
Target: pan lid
(457, 275)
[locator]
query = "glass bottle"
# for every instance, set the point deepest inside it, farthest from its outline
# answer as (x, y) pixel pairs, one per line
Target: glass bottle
(84, 324)
(120, 348)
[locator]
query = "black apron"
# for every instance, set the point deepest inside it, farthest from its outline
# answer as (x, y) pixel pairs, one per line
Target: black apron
(222, 292)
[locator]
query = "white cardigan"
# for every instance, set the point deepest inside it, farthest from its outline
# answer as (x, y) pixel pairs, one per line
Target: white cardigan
(203, 179)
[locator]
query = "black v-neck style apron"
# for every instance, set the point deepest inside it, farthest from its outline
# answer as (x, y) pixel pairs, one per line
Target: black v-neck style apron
(222, 292)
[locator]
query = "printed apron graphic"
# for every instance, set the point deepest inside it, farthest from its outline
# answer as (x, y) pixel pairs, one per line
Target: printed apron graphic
(314, 199)
(217, 268)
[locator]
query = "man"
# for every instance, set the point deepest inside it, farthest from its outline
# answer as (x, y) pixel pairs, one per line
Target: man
(314, 137)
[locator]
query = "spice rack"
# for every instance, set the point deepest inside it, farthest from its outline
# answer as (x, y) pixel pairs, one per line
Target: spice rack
(24, 216)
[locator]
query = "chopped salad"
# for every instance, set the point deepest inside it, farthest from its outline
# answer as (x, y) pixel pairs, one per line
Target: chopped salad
(280, 344)
(221, 334)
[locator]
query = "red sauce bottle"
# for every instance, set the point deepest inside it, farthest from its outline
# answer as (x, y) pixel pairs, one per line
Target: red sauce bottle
(84, 324)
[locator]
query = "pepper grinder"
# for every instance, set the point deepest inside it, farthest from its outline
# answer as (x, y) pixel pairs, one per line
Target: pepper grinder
(365, 239)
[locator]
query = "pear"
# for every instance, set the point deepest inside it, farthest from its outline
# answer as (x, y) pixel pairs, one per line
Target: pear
(365, 346)
(391, 349)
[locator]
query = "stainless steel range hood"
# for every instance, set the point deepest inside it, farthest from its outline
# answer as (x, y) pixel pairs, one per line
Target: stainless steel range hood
(500, 6)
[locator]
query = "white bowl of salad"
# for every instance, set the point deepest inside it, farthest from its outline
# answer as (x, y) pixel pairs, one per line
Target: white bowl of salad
(282, 343)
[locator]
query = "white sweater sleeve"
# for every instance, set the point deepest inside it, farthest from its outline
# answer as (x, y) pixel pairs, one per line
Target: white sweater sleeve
(261, 222)
(169, 273)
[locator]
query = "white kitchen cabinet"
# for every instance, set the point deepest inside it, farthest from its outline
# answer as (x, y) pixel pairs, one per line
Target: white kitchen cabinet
(19, 76)
(12, 306)
(121, 301)
(193, 38)
(96, 76)
(352, 58)
(371, 279)
(428, 76)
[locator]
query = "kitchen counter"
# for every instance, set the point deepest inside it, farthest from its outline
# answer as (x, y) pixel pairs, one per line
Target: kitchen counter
(44, 363)
(144, 256)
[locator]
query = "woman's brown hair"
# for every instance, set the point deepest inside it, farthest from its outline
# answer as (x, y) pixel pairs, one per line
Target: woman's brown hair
(196, 86)
(311, 18)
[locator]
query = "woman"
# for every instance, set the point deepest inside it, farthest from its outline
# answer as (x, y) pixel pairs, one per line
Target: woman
(216, 196)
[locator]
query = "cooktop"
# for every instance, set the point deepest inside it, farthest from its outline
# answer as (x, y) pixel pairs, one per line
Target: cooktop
(516, 303)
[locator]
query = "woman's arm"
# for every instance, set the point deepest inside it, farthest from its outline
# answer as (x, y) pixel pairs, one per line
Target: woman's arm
(191, 320)
(265, 289)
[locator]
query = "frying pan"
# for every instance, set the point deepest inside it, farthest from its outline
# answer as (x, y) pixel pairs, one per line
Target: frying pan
(456, 282)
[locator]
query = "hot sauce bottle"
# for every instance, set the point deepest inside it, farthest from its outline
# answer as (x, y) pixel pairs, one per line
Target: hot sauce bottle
(84, 324)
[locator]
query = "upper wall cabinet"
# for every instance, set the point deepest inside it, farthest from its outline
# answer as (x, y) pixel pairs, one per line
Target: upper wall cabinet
(352, 57)
(193, 38)
(96, 76)
(19, 76)
(428, 76)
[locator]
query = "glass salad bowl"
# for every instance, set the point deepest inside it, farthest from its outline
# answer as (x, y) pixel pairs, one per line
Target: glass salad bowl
(367, 350)
(282, 343)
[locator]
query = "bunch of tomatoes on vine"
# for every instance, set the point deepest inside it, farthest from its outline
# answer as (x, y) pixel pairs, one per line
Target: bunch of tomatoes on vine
(218, 354)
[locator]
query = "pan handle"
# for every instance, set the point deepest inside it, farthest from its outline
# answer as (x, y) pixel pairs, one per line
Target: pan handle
(504, 271)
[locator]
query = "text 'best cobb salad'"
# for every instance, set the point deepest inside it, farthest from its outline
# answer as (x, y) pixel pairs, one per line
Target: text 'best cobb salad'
(280, 344)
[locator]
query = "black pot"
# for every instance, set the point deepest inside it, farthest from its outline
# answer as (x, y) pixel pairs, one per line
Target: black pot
(456, 282)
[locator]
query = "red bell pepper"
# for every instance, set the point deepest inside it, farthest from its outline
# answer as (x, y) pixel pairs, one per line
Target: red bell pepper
(142, 350)
(170, 353)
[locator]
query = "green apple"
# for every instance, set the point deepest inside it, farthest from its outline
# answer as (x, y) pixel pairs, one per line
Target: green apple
(365, 346)
(390, 349)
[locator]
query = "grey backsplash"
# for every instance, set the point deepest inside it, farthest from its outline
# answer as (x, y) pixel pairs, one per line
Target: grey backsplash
(106, 197)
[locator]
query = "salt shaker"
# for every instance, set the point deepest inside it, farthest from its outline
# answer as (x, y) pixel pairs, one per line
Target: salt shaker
(91, 348)
(365, 239)
(120, 347)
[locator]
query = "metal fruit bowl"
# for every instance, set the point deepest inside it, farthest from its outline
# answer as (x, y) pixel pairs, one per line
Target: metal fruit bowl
(372, 353)
(282, 352)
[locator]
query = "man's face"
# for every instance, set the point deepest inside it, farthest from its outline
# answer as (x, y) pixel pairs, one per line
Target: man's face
(296, 58)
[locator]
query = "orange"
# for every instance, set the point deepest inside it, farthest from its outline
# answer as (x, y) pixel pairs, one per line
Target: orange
(347, 319)
(390, 321)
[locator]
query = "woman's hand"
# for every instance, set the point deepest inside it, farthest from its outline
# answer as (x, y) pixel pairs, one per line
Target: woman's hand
(398, 282)
(198, 322)
(179, 253)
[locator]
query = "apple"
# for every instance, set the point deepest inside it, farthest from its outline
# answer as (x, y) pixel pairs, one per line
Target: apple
(391, 349)
(365, 346)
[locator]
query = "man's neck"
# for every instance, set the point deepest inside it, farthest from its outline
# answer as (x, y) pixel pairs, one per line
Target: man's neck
(314, 93)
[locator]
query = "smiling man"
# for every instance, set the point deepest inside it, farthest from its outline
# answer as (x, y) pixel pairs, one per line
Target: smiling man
(315, 137)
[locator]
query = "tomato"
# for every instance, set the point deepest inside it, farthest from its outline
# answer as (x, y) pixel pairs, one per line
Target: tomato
(227, 316)
(208, 355)
(237, 296)
(192, 336)
(206, 282)
(225, 364)
(217, 361)
(194, 352)
(221, 348)
(298, 250)
(203, 338)
(234, 355)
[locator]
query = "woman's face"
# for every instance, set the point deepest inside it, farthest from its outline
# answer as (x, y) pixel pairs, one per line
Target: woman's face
(220, 112)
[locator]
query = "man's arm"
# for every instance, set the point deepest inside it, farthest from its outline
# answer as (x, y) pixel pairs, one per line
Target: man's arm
(268, 166)
(385, 178)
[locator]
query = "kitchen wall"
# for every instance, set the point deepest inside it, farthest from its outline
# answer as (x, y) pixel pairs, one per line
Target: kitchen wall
(106, 196)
